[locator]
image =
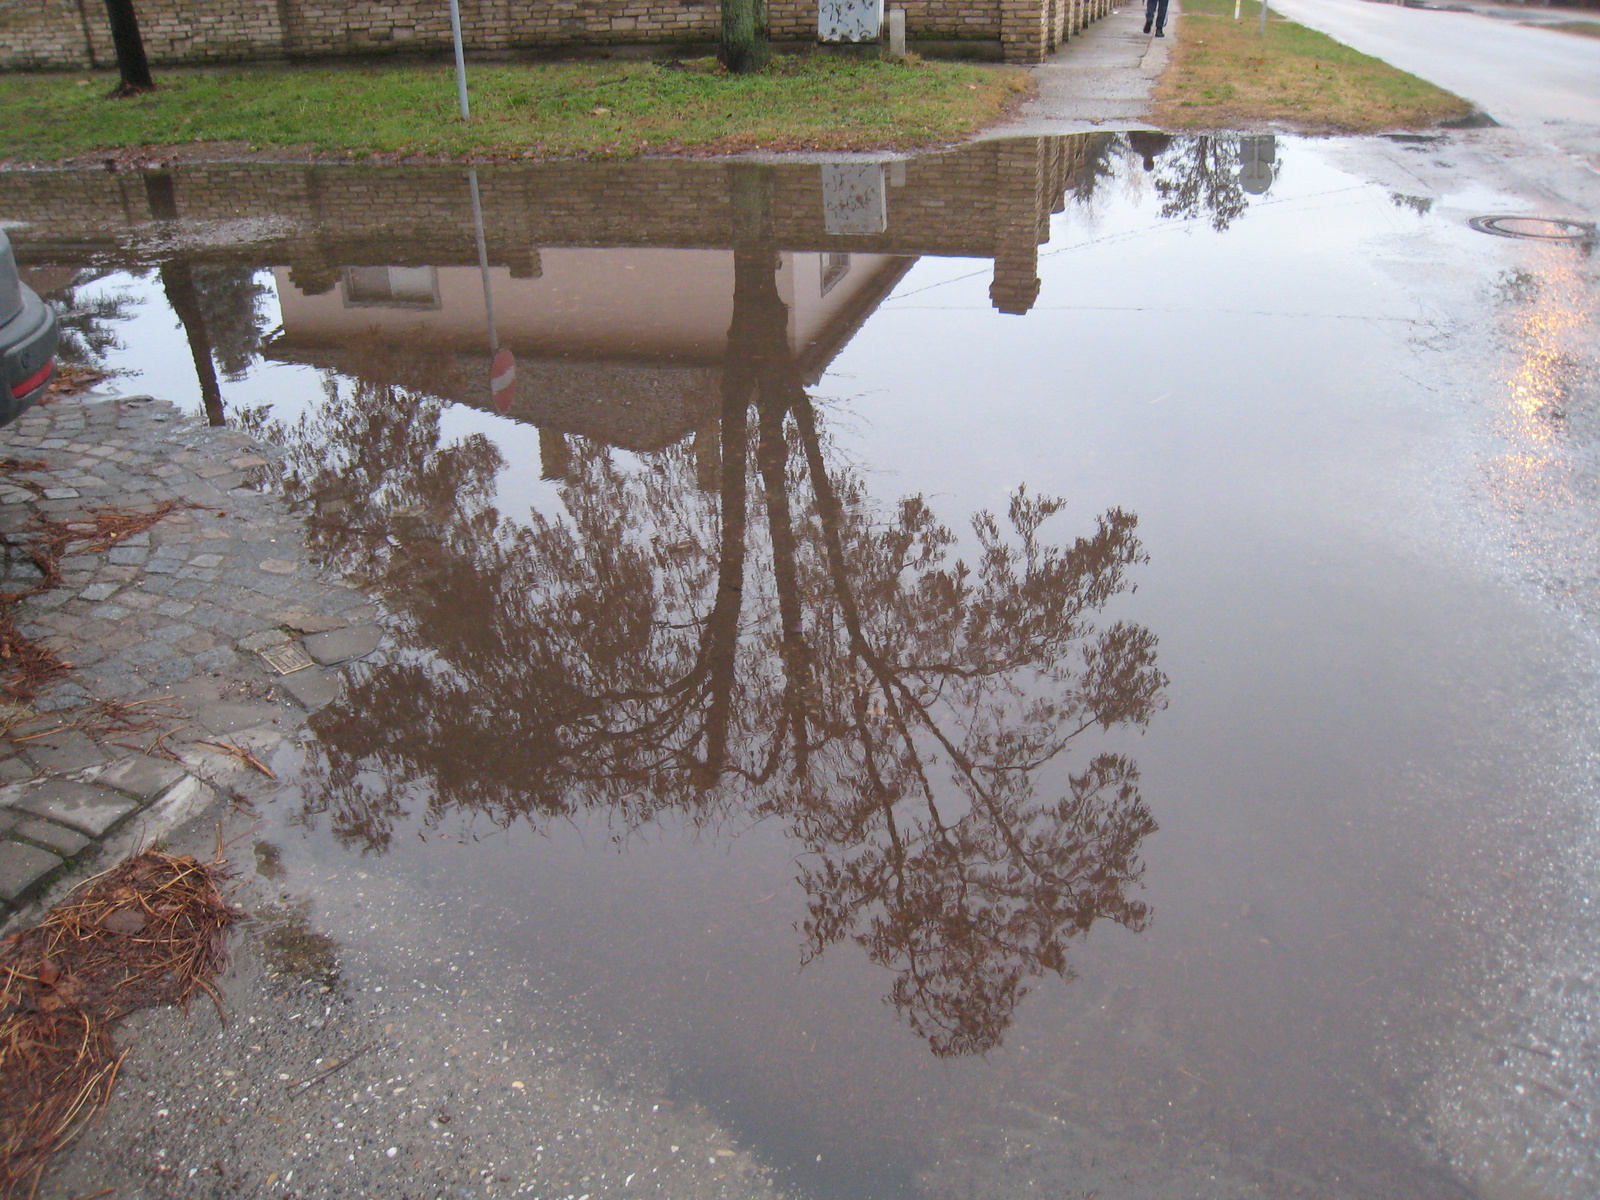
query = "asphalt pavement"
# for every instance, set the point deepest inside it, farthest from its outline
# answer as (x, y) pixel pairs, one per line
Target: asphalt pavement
(1519, 75)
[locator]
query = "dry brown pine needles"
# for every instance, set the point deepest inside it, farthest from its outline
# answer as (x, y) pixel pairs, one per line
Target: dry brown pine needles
(152, 930)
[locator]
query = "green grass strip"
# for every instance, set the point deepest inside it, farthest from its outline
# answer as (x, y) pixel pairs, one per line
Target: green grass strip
(518, 110)
(1225, 75)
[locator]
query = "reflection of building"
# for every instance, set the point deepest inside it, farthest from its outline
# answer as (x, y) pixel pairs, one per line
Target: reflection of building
(987, 200)
(621, 345)
(612, 281)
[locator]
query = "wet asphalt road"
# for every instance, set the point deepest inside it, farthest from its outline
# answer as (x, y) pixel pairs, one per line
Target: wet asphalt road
(1521, 76)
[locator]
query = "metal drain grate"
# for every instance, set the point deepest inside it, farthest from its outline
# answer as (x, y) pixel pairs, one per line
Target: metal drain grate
(1538, 229)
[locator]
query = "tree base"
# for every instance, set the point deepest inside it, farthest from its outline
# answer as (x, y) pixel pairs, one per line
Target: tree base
(745, 58)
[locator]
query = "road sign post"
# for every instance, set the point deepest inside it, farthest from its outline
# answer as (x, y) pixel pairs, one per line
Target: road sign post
(503, 380)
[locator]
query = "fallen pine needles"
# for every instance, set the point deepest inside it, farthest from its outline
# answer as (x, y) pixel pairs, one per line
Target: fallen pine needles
(243, 755)
(152, 930)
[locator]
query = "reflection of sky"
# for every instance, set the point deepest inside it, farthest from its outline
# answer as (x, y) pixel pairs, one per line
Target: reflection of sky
(1161, 359)
(157, 352)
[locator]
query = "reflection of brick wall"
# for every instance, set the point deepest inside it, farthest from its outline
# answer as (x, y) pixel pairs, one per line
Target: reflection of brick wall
(987, 200)
(75, 33)
(1031, 179)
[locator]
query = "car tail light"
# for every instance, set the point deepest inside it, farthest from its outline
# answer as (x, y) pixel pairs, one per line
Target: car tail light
(33, 381)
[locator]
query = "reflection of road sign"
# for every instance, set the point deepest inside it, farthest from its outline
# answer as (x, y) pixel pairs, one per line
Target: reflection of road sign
(853, 201)
(1258, 156)
(1256, 177)
(503, 380)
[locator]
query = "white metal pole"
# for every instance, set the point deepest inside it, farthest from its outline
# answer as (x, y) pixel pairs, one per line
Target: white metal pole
(1262, 30)
(483, 259)
(1236, 4)
(461, 59)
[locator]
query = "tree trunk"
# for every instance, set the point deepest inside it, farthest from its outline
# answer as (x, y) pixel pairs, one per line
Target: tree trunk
(744, 36)
(131, 62)
(184, 300)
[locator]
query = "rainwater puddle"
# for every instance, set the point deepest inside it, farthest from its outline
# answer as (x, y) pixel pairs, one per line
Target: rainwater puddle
(1054, 669)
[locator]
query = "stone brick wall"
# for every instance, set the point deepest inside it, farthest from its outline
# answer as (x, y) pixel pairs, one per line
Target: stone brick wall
(75, 34)
(46, 33)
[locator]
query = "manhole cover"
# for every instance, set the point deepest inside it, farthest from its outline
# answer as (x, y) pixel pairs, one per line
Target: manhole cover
(1539, 229)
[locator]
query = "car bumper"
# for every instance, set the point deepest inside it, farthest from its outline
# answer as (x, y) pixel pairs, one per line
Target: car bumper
(27, 356)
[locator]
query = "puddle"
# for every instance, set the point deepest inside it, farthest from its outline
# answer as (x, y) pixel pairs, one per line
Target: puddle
(1049, 669)
(292, 947)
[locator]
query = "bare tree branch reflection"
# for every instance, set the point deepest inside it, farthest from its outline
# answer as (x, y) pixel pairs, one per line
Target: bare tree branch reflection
(1198, 176)
(756, 639)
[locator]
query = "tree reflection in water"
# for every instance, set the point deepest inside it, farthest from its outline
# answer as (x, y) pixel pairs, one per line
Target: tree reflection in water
(1199, 176)
(736, 627)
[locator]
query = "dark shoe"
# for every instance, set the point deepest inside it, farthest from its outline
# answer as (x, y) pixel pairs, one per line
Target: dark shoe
(1160, 34)
(1147, 26)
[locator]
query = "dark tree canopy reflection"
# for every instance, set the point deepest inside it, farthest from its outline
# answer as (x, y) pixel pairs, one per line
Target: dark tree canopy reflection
(85, 318)
(1195, 176)
(233, 303)
(735, 626)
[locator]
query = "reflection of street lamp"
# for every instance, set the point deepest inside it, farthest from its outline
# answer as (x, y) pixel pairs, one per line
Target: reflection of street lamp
(1258, 156)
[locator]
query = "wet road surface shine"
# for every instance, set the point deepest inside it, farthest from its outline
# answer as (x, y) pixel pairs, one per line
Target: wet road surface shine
(1222, 830)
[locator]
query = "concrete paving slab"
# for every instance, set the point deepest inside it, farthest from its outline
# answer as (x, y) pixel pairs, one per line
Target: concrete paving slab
(1101, 79)
(342, 645)
(22, 867)
(59, 838)
(65, 752)
(303, 619)
(83, 806)
(262, 639)
(141, 776)
(15, 769)
(225, 717)
(313, 687)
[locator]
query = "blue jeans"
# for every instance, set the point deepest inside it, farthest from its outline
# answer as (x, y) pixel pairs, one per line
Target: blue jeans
(1156, 10)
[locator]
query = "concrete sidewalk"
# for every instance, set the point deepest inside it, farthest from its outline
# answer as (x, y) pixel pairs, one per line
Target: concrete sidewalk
(1101, 79)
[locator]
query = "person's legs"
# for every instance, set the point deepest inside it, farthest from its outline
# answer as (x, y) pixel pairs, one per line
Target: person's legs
(1150, 12)
(1160, 7)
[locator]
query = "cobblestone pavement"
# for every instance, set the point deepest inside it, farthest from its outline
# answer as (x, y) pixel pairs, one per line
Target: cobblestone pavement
(169, 695)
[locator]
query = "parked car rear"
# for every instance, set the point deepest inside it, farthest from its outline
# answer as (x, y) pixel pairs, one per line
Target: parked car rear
(28, 340)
